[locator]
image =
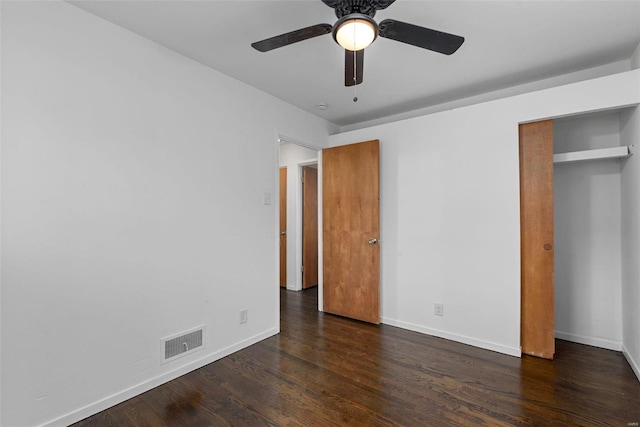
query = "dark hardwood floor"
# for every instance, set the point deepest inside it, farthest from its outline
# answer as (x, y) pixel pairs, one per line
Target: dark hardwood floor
(324, 370)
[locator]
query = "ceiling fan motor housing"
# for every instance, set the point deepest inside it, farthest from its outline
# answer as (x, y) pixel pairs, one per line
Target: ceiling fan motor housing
(364, 7)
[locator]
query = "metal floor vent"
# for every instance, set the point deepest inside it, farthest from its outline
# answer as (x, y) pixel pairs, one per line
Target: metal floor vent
(181, 345)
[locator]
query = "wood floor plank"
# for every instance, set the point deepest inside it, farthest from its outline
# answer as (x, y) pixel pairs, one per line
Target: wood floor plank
(133, 412)
(325, 370)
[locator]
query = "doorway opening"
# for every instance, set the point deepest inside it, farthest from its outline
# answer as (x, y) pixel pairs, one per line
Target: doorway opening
(309, 173)
(298, 230)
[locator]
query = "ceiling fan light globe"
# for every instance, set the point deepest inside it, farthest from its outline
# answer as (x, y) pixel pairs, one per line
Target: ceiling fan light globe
(355, 32)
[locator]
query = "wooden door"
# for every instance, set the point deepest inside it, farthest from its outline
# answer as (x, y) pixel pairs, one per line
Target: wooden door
(537, 336)
(283, 227)
(351, 226)
(309, 227)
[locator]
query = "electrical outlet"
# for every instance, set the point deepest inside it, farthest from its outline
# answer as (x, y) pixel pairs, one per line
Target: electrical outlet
(244, 315)
(438, 309)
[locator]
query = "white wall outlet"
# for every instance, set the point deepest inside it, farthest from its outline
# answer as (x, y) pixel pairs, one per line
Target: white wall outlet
(438, 309)
(244, 315)
(267, 198)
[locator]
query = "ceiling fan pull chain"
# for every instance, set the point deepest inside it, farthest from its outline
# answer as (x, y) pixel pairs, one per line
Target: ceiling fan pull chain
(355, 74)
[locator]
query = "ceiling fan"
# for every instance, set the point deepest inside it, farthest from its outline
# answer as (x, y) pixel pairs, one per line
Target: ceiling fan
(356, 29)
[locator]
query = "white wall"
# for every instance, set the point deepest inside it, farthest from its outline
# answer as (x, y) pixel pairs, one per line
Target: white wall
(630, 135)
(450, 214)
(291, 155)
(587, 212)
(132, 209)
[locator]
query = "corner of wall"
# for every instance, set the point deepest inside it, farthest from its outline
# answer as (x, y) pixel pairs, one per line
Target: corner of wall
(630, 175)
(633, 363)
(635, 58)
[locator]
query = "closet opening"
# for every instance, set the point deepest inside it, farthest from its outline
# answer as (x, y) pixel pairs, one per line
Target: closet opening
(573, 219)
(588, 228)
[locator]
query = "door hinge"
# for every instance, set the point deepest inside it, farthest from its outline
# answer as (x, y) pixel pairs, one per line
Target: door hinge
(302, 268)
(302, 178)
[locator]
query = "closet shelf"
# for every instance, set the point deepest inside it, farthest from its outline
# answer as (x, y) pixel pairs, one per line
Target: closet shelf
(602, 153)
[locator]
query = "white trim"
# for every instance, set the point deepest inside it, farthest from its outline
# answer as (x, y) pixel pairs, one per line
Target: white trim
(592, 341)
(320, 242)
(283, 139)
(499, 348)
(298, 226)
(635, 366)
(276, 228)
(1, 234)
(121, 396)
(309, 162)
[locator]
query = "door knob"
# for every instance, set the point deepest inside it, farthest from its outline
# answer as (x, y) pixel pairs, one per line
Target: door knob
(373, 241)
(282, 233)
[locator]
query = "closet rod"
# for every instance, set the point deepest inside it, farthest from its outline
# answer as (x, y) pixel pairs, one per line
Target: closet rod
(602, 153)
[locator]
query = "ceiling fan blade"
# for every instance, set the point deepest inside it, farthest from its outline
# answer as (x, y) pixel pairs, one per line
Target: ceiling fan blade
(292, 37)
(353, 67)
(425, 38)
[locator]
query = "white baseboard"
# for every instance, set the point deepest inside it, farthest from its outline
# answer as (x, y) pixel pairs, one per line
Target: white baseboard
(593, 341)
(634, 364)
(121, 396)
(511, 351)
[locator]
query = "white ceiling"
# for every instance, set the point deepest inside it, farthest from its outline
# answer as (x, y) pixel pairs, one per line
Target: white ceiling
(507, 43)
